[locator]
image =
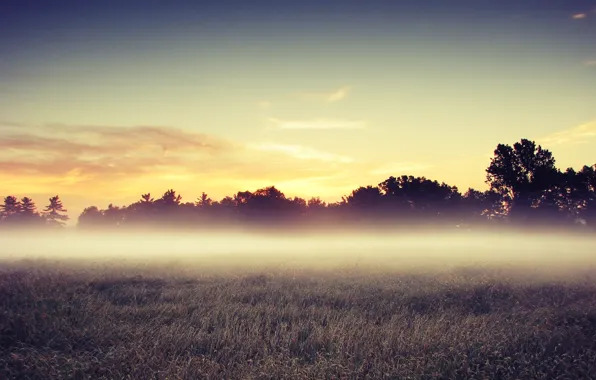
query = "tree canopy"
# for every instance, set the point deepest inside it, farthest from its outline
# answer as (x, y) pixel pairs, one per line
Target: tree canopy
(524, 186)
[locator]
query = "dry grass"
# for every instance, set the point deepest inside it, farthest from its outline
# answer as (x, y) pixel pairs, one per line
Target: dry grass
(83, 322)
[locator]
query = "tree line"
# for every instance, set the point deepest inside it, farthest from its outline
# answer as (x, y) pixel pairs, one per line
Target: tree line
(525, 187)
(24, 212)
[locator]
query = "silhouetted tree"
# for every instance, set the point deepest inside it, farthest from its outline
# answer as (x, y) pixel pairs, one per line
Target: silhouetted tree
(225, 210)
(267, 203)
(365, 198)
(28, 206)
(228, 202)
(522, 175)
(146, 198)
(170, 199)
(28, 214)
(587, 180)
(167, 207)
(53, 212)
(398, 194)
(365, 204)
(580, 194)
(421, 196)
(477, 205)
(316, 203)
(143, 211)
(297, 207)
(10, 209)
(114, 216)
(91, 217)
(204, 200)
(242, 197)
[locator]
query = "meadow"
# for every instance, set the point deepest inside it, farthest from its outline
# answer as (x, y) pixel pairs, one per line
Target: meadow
(243, 318)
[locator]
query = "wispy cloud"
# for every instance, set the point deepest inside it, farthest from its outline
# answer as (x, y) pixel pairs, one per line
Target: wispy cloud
(95, 160)
(98, 152)
(338, 95)
(590, 62)
(137, 137)
(400, 168)
(329, 97)
(579, 16)
(318, 124)
(301, 152)
(577, 135)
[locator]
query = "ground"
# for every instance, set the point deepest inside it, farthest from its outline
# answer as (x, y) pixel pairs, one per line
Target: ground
(92, 321)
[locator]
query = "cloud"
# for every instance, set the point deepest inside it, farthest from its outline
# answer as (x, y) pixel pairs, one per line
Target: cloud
(102, 162)
(301, 152)
(330, 97)
(400, 168)
(318, 124)
(584, 15)
(591, 62)
(137, 137)
(98, 152)
(575, 135)
(338, 95)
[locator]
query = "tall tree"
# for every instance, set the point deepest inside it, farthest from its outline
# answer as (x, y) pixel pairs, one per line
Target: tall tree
(146, 198)
(55, 213)
(28, 213)
(143, 211)
(204, 200)
(28, 206)
(521, 174)
(10, 208)
(170, 198)
(168, 208)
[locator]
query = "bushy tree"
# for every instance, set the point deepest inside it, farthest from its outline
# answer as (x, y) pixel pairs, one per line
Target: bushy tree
(523, 175)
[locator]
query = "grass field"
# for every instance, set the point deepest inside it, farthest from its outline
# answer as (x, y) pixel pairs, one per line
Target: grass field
(107, 321)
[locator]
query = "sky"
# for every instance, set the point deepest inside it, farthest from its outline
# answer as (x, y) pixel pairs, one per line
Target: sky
(102, 101)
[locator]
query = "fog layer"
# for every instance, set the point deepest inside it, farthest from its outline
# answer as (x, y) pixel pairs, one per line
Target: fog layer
(381, 250)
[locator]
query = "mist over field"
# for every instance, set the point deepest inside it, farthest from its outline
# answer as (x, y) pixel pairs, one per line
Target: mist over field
(550, 251)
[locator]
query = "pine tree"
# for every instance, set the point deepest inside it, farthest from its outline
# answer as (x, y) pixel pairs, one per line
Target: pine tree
(204, 201)
(28, 207)
(146, 198)
(10, 208)
(28, 212)
(170, 198)
(52, 212)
